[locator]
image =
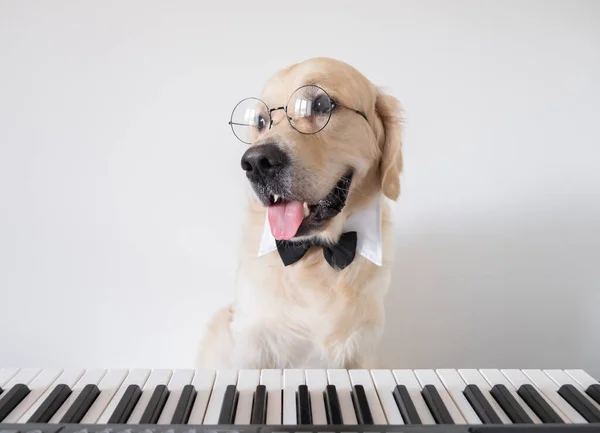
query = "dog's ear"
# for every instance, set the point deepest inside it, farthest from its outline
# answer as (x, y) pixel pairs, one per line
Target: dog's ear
(388, 110)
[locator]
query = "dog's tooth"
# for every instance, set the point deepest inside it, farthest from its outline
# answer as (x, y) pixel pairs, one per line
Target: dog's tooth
(306, 210)
(275, 198)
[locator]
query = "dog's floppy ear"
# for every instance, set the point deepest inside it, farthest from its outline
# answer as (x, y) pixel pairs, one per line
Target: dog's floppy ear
(388, 110)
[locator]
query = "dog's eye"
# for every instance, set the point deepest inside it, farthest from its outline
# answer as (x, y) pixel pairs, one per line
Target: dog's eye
(261, 123)
(322, 104)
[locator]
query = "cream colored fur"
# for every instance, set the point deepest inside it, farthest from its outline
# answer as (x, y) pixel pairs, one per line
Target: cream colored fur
(309, 315)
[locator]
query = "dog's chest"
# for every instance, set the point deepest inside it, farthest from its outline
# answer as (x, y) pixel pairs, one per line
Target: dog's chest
(299, 340)
(292, 312)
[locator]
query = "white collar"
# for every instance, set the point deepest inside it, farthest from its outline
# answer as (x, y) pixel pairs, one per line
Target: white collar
(366, 222)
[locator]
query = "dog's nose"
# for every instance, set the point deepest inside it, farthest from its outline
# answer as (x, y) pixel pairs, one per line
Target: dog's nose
(264, 161)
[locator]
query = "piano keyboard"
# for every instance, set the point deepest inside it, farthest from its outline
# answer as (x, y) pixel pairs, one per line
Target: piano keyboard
(34, 400)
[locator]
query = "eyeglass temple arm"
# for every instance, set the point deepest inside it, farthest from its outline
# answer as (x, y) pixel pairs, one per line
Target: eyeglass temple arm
(284, 108)
(352, 109)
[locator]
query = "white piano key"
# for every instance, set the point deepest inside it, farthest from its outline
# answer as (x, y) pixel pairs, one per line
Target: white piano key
(203, 383)
(410, 381)
(38, 387)
(109, 386)
(67, 377)
(224, 378)
(428, 377)
(179, 379)
(549, 388)
(455, 386)
(385, 384)
(562, 378)
(135, 377)
(157, 377)
(341, 380)
(272, 380)
(247, 382)
(363, 377)
(292, 379)
(495, 377)
(582, 378)
(7, 374)
(316, 381)
(474, 377)
(518, 378)
(77, 382)
(24, 376)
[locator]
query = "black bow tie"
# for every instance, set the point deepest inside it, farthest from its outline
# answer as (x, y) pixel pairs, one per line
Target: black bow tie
(338, 255)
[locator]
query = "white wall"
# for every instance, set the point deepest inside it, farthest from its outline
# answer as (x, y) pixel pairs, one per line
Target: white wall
(121, 189)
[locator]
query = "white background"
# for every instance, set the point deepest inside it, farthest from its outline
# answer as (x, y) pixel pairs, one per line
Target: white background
(121, 191)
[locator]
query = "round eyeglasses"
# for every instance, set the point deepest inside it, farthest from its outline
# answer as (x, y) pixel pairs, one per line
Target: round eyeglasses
(308, 111)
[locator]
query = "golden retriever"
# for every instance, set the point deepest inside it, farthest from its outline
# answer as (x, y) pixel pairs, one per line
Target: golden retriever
(324, 145)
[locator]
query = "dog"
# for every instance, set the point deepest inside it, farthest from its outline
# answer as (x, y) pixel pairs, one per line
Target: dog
(323, 164)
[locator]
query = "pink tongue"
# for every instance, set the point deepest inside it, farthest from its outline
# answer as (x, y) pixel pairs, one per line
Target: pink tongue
(285, 218)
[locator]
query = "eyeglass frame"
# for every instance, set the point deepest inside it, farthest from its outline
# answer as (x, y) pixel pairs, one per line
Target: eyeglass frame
(332, 101)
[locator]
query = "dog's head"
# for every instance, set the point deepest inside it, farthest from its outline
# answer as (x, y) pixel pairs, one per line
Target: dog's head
(322, 141)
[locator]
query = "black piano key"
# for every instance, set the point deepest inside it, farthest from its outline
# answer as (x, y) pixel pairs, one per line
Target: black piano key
(405, 405)
(12, 398)
(259, 406)
(126, 405)
(332, 406)
(228, 408)
(52, 403)
(361, 405)
(155, 405)
(81, 405)
(303, 411)
(509, 405)
(481, 405)
(538, 404)
(594, 392)
(579, 402)
(184, 405)
(436, 405)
